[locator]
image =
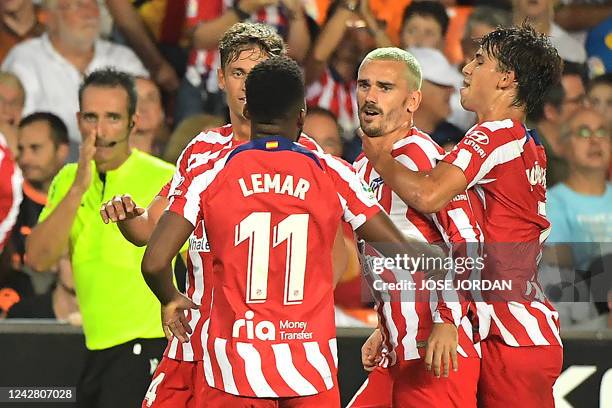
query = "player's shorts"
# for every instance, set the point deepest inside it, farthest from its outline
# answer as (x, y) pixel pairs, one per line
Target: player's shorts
(376, 391)
(220, 399)
(518, 376)
(414, 386)
(177, 383)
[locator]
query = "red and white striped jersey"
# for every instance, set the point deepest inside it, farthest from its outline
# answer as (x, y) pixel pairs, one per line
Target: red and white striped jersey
(271, 210)
(202, 64)
(10, 192)
(206, 146)
(407, 318)
(506, 166)
(340, 98)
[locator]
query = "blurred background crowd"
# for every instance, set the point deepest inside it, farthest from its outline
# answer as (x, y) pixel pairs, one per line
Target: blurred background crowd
(47, 47)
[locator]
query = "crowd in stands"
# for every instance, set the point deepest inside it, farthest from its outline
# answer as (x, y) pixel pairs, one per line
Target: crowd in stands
(47, 47)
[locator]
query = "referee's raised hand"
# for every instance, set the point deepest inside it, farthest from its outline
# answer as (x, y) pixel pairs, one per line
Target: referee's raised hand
(86, 154)
(120, 208)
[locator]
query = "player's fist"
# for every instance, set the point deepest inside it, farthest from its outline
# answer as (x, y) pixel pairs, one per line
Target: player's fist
(120, 208)
(371, 351)
(174, 319)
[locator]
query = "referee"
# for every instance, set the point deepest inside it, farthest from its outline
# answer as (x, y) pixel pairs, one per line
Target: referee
(121, 317)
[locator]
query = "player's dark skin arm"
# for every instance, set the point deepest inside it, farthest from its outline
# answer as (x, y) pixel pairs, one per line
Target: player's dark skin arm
(169, 236)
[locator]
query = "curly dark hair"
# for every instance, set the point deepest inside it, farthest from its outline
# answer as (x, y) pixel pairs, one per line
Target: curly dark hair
(244, 36)
(274, 89)
(531, 56)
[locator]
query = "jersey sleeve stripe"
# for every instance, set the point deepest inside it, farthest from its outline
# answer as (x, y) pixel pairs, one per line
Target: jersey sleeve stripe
(333, 347)
(254, 374)
(288, 372)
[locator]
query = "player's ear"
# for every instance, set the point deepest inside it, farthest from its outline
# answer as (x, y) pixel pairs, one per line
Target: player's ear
(301, 118)
(245, 112)
(507, 80)
(414, 100)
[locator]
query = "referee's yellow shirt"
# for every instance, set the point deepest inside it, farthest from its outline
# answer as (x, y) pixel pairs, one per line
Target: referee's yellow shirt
(116, 304)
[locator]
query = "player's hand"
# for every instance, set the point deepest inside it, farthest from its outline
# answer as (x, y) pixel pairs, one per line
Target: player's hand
(251, 6)
(174, 319)
(374, 147)
(87, 150)
(120, 208)
(441, 349)
(371, 351)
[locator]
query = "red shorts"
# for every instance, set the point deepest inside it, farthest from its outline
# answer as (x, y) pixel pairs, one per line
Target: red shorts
(177, 384)
(376, 391)
(518, 376)
(221, 399)
(414, 386)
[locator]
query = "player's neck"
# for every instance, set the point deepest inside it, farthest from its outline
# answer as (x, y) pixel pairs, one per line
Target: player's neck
(240, 126)
(501, 111)
(590, 182)
(261, 130)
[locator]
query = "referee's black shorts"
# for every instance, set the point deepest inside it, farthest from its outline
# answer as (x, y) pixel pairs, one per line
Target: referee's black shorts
(119, 376)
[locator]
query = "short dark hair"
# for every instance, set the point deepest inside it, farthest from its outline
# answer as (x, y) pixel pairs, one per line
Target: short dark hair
(111, 78)
(433, 9)
(243, 36)
(604, 79)
(274, 89)
(59, 131)
(531, 56)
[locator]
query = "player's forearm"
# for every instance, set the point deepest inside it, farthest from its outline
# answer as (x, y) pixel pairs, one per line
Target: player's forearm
(417, 189)
(49, 239)
(582, 16)
(131, 26)
(137, 230)
(298, 41)
(158, 277)
(207, 34)
(331, 35)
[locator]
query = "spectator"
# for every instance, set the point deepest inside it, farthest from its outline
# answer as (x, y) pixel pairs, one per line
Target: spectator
(559, 104)
(580, 208)
(183, 134)
(121, 319)
(439, 82)
(19, 20)
(321, 125)
(150, 133)
(599, 95)
(199, 92)
(131, 25)
(43, 150)
(331, 70)
(540, 14)
(425, 24)
(12, 98)
(51, 66)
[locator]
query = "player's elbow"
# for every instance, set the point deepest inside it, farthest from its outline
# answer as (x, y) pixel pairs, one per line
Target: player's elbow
(151, 265)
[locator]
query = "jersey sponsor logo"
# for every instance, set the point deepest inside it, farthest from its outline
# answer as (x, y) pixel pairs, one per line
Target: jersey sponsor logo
(479, 150)
(460, 197)
(536, 175)
(479, 137)
(198, 244)
(266, 330)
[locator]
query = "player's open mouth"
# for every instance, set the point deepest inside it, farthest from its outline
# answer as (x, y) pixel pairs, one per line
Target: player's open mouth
(370, 112)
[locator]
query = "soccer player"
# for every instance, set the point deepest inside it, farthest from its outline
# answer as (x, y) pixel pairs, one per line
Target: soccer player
(388, 94)
(505, 163)
(272, 210)
(241, 48)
